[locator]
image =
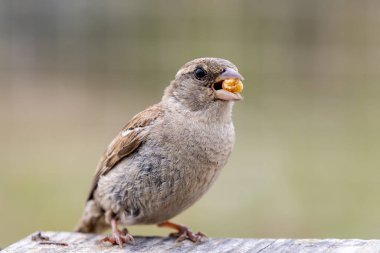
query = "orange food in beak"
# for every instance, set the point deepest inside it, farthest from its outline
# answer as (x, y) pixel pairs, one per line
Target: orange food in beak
(233, 85)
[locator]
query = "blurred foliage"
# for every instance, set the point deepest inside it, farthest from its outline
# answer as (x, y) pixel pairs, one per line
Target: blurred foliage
(306, 161)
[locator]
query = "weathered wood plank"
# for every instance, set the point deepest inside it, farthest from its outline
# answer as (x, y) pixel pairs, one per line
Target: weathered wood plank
(77, 242)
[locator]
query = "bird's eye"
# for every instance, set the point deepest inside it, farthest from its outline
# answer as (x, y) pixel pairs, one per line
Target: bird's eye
(200, 73)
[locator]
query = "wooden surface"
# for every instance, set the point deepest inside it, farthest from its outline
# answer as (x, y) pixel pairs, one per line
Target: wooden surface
(77, 242)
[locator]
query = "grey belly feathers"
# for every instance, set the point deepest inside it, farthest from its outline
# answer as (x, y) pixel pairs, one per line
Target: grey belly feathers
(165, 176)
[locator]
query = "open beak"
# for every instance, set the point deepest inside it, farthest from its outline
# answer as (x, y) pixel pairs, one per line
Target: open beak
(232, 92)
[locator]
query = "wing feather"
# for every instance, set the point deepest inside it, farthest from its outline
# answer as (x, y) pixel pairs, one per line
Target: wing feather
(126, 142)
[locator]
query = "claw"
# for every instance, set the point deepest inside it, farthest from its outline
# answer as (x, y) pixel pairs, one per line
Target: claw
(118, 237)
(183, 232)
(194, 237)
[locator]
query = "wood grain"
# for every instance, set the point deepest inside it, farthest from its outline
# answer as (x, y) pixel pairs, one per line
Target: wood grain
(77, 242)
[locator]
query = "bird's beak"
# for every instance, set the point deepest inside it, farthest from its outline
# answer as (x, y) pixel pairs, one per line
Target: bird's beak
(228, 85)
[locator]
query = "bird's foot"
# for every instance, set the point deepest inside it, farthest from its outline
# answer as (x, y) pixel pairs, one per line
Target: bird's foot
(186, 233)
(119, 238)
(183, 232)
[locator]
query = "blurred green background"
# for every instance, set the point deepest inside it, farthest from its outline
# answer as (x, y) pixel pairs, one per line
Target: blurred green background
(306, 161)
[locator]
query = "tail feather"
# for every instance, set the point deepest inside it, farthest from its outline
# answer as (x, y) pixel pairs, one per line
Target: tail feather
(92, 220)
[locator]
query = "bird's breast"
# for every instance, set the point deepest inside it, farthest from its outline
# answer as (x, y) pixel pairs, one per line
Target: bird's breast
(202, 144)
(174, 167)
(187, 161)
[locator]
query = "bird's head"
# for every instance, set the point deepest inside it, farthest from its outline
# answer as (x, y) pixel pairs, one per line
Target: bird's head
(205, 82)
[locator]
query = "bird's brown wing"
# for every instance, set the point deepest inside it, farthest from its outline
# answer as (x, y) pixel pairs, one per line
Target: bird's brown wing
(127, 141)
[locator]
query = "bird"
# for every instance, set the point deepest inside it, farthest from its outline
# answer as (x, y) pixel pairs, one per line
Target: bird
(167, 156)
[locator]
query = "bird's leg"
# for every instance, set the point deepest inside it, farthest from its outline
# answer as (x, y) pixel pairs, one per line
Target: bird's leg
(183, 232)
(118, 236)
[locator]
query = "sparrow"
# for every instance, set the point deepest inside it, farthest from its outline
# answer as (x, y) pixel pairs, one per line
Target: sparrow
(167, 156)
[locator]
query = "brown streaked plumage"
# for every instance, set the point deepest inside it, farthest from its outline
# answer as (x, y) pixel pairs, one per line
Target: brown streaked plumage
(122, 146)
(167, 156)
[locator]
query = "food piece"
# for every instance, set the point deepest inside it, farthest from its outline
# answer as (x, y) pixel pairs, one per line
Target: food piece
(233, 85)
